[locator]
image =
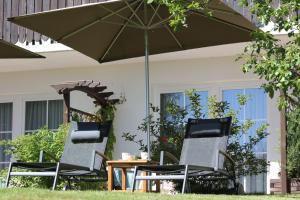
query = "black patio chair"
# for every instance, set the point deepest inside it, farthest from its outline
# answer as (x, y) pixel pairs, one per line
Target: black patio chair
(203, 155)
(83, 157)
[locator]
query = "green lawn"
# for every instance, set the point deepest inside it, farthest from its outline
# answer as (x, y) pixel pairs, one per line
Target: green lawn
(34, 194)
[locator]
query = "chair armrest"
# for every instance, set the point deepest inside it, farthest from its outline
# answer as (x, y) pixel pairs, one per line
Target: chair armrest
(164, 154)
(104, 157)
(95, 152)
(42, 153)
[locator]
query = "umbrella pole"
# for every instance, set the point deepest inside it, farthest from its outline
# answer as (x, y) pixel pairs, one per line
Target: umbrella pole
(147, 91)
(146, 37)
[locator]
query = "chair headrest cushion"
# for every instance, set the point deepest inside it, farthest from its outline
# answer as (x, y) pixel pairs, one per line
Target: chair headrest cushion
(205, 128)
(86, 137)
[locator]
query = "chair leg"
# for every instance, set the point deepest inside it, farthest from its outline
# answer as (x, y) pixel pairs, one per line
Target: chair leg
(185, 179)
(8, 175)
(56, 176)
(189, 189)
(134, 179)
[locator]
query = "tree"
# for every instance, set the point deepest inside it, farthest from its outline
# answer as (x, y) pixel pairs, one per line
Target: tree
(276, 61)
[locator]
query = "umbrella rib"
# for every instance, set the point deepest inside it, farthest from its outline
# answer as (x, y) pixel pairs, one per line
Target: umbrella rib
(222, 21)
(121, 16)
(161, 22)
(154, 14)
(119, 24)
(222, 11)
(134, 13)
(118, 34)
(91, 24)
(169, 30)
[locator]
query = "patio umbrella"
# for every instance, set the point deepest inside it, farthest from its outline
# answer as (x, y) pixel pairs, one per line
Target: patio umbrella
(8, 50)
(121, 29)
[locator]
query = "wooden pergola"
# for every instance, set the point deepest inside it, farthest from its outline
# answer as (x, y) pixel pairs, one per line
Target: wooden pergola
(92, 89)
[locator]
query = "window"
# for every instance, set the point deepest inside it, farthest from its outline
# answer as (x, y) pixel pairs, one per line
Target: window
(39, 114)
(255, 110)
(182, 100)
(6, 111)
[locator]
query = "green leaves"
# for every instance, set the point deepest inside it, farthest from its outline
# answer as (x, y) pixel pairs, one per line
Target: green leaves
(27, 147)
(277, 62)
(179, 10)
(294, 143)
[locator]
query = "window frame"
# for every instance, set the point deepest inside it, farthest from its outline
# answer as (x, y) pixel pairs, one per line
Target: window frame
(36, 97)
(244, 86)
(47, 115)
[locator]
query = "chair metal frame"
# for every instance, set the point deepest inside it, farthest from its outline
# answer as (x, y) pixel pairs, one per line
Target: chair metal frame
(185, 171)
(60, 169)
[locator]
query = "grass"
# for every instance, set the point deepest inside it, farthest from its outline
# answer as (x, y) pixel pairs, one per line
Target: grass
(37, 194)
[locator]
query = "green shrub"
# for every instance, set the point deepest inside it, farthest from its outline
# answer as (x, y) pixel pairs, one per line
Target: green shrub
(293, 139)
(26, 148)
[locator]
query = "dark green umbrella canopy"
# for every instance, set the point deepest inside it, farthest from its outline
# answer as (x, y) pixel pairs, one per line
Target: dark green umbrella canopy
(121, 29)
(114, 30)
(10, 51)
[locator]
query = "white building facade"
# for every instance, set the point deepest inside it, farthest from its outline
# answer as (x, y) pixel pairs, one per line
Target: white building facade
(26, 95)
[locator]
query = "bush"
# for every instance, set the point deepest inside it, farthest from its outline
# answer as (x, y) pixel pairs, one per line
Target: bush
(26, 148)
(168, 134)
(293, 140)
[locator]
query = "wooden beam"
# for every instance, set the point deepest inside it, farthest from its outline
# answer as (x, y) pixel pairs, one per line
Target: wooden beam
(67, 111)
(104, 94)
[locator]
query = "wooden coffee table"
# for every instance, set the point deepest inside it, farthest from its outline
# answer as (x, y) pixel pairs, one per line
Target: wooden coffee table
(124, 165)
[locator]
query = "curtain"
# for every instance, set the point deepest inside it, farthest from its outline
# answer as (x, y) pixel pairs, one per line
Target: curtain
(42, 113)
(55, 113)
(35, 115)
(5, 117)
(6, 110)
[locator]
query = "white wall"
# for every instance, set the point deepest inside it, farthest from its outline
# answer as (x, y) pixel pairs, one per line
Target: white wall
(212, 74)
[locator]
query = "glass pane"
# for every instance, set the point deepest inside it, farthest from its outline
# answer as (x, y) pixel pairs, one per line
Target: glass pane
(6, 111)
(262, 145)
(230, 96)
(55, 113)
(203, 103)
(256, 110)
(6, 116)
(258, 183)
(177, 98)
(256, 105)
(35, 115)
(4, 158)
